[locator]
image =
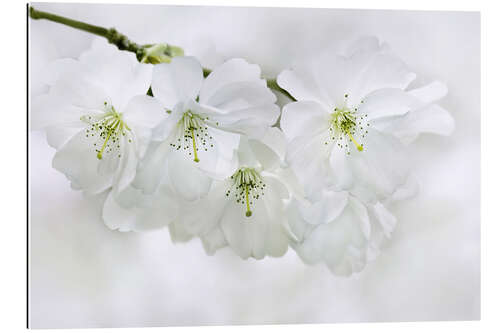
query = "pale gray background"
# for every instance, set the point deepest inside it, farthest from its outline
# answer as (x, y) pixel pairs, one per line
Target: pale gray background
(84, 275)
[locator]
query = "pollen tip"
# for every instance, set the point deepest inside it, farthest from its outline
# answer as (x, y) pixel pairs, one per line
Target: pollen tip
(196, 159)
(360, 148)
(248, 213)
(99, 155)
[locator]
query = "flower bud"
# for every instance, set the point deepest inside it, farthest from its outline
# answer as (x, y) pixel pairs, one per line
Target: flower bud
(161, 52)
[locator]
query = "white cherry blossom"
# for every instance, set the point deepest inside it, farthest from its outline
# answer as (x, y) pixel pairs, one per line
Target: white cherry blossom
(205, 118)
(98, 117)
(353, 114)
(245, 211)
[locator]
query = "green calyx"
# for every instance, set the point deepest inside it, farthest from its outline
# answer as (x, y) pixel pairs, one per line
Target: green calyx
(160, 53)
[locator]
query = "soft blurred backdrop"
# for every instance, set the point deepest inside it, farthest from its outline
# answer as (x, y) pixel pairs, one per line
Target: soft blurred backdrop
(85, 275)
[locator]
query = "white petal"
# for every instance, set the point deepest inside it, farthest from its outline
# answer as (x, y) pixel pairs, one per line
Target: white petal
(406, 191)
(385, 218)
(187, 179)
(146, 213)
(344, 243)
(341, 169)
(152, 169)
(232, 71)
(247, 156)
(297, 227)
(431, 119)
(380, 71)
(167, 126)
(362, 215)
(61, 67)
(308, 158)
(227, 142)
(58, 135)
(126, 171)
(303, 85)
(387, 102)
(276, 238)
(311, 248)
(247, 236)
(66, 102)
(177, 81)
(118, 73)
(270, 149)
(221, 160)
(145, 111)
(241, 95)
(381, 167)
(328, 76)
(78, 161)
(326, 210)
(141, 139)
(200, 217)
(291, 181)
(177, 233)
(213, 240)
(252, 121)
(430, 93)
(304, 119)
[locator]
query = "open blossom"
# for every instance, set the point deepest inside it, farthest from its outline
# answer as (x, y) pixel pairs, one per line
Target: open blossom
(205, 118)
(245, 211)
(97, 116)
(351, 117)
(339, 230)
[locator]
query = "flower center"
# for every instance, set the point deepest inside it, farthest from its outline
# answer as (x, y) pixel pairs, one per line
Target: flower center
(248, 186)
(193, 133)
(348, 125)
(106, 129)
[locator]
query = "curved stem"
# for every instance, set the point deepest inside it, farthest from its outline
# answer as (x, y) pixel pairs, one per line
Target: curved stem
(112, 35)
(272, 84)
(93, 29)
(121, 41)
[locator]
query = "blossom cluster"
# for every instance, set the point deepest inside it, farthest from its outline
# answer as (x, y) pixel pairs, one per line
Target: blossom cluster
(216, 158)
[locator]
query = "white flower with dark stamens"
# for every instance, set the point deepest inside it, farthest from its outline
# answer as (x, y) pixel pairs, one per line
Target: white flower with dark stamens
(339, 230)
(351, 116)
(245, 211)
(347, 127)
(107, 128)
(97, 116)
(247, 185)
(204, 119)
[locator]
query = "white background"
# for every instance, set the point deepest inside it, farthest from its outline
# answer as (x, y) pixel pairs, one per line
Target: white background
(84, 275)
(13, 194)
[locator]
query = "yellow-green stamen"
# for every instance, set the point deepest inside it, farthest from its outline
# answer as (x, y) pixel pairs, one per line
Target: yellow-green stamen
(358, 146)
(347, 125)
(99, 153)
(192, 134)
(248, 185)
(196, 159)
(108, 127)
(248, 212)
